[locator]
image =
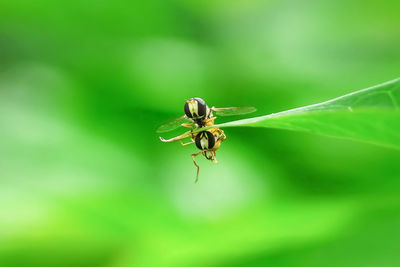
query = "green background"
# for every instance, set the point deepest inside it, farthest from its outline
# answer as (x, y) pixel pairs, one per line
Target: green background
(85, 181)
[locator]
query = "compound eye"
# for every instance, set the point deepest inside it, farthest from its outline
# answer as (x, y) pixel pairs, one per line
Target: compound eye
(196, 108)
(205, 140)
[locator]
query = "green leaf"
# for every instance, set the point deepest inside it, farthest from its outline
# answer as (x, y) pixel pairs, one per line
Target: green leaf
(371, 115)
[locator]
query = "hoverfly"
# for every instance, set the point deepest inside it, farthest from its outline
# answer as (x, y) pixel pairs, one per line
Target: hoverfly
(207, 141)
(198, 115)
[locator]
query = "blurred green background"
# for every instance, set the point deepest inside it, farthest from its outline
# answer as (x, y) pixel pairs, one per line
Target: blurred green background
(85, 181)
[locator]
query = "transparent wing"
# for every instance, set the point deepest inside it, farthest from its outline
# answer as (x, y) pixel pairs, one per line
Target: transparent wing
(233, 111)
(172, 124)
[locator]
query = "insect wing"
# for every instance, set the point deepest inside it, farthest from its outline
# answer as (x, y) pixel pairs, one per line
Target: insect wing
(233, 111)
(172, 124)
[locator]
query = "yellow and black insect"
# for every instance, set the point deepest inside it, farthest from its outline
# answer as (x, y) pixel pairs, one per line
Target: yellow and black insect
(198, 115)
(207, 141)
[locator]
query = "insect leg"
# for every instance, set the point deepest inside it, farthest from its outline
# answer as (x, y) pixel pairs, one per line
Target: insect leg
(210, 119)
(198, 168)
(180, 137)
(214, 159)
(208, 157)
(222, 136)
(185, 144)
(188, 125)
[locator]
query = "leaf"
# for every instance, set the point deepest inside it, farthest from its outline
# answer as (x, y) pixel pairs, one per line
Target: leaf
(371, 115)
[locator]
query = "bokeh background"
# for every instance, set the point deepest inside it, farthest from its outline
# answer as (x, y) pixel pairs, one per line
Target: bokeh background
(85, 181)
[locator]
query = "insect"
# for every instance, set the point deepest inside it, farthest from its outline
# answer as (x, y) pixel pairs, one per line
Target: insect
(207, 141)
(198, 115)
